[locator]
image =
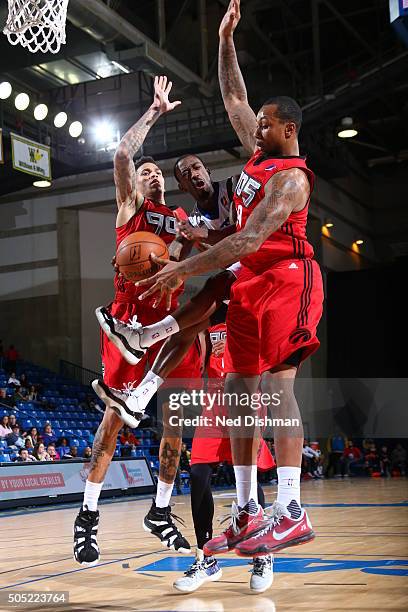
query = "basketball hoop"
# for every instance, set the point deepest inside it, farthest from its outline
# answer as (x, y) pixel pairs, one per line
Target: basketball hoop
(38, 25)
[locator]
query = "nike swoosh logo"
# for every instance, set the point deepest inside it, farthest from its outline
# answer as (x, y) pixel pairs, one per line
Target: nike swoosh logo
(283, 534)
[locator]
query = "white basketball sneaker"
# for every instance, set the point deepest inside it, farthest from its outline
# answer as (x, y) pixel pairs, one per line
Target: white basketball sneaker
(125, 336)
(204, 569)
(262, 574)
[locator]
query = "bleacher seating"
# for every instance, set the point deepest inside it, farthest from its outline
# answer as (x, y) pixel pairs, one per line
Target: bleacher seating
(59, 405)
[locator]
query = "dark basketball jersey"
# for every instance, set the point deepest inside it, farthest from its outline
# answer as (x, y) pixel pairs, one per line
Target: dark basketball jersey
(151, 217)
(290, 240)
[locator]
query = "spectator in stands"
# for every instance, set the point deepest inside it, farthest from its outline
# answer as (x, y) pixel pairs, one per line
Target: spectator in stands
(11, 357)
(351, 456)
(87, 454)
(48, 435)
(13, 421)
(33, 436)
(385, 462)
(19, 395)
(14, 439)
(63, 441)
(335, 446)
(73, 453)
(399, 459)
(128, 438)
(310, 461)
(40, 453)
(371, 460)
(5, 428)
(24, 456)
(13, 381)
(32, 394)
(24, 382)
(28, 444)
(53, 453)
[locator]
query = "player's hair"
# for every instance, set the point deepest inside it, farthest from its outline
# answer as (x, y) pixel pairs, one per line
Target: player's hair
(288, 110)
(181, 159)
(145, 159)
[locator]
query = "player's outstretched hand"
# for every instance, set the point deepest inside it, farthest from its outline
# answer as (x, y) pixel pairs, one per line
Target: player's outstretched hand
(231, 19)
(165, 282)
(162, 90)
(191, 232)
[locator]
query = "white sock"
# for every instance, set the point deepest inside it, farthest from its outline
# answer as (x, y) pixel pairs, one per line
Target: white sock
(158, 331)
(247, 484)
(91, 495)
(289, 489)
(144, 392)
(163, 494)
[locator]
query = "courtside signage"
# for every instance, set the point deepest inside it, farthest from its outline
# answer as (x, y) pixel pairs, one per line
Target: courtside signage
(31, 157)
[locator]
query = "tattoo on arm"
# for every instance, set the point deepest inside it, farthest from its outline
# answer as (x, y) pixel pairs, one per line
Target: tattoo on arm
(234, 94)
(286, 191)
(124, 169)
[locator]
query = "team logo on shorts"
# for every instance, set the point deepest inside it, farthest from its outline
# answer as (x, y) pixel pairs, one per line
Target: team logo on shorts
(301, 334)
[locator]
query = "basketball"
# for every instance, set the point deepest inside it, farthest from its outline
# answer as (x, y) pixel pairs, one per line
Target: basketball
(133, 255)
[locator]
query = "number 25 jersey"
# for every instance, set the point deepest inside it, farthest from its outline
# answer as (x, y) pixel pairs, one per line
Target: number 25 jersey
(290, 240)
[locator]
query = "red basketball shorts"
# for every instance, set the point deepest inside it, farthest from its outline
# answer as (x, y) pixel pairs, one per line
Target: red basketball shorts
(273, 314)
(117, 371)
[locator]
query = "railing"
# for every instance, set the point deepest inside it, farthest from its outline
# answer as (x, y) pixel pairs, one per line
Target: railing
(67, 369)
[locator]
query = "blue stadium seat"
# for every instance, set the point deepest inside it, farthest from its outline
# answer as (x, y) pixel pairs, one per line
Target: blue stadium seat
(74, 442)
(5, 459)
(78, 432)
(3, 444)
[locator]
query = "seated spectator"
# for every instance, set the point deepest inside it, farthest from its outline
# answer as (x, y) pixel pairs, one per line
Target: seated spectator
(13, 381)
(63, 441)
(5, 428)
(11, 356)
(73, 453)
(24, 456)
(28, 443)
(371, 460)
(32, 394)
(385, 462)
(24, 382)
(87, 454)
(40, 453)
(13, 421)
(310, 461)
(53, 453)
(48, 435)
(14, 439)
(19, 395)
(127, 437)
(399, 459)
(33, 436)
(351, 456)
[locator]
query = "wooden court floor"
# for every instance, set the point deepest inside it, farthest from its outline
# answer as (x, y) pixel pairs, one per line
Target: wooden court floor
(358, 561)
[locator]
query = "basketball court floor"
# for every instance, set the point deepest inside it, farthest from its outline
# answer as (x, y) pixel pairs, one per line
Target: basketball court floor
(358, 561)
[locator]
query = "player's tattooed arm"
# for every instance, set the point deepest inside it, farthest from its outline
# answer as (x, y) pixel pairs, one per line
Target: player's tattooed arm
(124, 168)
(202, 234)
(287, 191)
(232, 84)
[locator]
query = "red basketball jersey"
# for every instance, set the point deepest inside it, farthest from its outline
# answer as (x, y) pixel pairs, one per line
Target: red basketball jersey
(289, 241)
(151, 217)
(215, 365)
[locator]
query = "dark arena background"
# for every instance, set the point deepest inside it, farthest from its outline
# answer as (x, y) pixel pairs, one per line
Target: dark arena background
(63, 114)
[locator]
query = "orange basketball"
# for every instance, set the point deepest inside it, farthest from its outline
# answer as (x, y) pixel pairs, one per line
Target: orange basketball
(133, 255)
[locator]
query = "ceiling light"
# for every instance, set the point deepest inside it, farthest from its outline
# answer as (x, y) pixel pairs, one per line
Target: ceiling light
(5, 90)
(42, 184)
(75, 129)
(104, 71)
(40, 112)
(328, 223)
(347, 129)
(121, 67)
(104, 132)
(359, 241)
(22, 101)
(60, 119)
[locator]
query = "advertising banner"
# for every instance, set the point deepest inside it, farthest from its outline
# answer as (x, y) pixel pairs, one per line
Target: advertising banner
(31, 157)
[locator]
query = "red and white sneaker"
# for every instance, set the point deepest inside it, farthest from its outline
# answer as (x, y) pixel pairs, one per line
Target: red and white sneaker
(280, 531)
(245, 522)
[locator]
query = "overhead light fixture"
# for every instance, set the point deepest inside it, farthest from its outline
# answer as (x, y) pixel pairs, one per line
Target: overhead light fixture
(60, 119)
(40, 112)
(328, 223)
(75, 129)
(359, 241)
(104, 71)
(5, 90)
(347, 129)
(42, 184)
(105, 133)
(121, 67)
(22, 101)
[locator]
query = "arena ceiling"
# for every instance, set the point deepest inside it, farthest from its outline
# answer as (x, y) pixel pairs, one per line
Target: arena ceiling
(337, 58)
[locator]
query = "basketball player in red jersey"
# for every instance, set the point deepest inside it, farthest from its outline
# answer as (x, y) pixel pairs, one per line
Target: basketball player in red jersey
(141, 207)
(275, 306)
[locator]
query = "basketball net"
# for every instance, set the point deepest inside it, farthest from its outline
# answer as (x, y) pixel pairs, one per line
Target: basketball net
(37, 25)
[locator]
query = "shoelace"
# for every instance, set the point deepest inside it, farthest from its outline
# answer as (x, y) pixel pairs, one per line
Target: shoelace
(129, 387)
(259, 565)
(171, 516)
(197, 566)
(233, 517)
(272, 519)
(134, 323)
